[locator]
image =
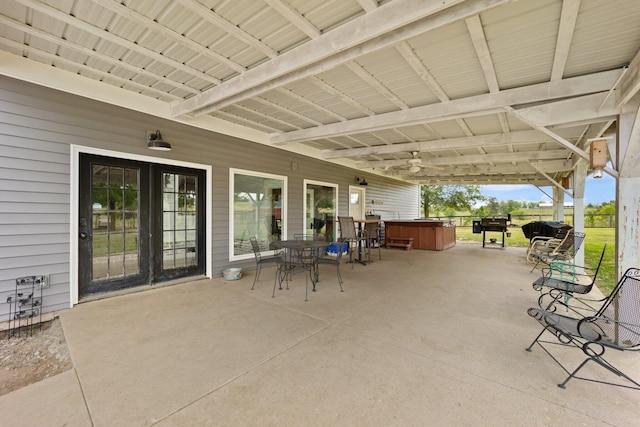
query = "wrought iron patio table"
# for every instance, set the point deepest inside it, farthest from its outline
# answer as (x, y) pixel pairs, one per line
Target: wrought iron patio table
(302, 253)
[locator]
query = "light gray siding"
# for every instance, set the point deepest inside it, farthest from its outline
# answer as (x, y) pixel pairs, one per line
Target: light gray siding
(37, 127)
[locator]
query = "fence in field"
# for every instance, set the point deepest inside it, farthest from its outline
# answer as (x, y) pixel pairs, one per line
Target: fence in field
(590, 220)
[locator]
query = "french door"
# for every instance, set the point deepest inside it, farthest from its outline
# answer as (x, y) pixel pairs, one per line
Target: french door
(140, 223)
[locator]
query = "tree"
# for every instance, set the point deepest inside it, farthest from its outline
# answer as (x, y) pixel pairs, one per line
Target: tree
(437, 198)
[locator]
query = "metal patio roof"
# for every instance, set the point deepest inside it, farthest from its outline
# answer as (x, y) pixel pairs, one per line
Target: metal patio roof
(481, 91)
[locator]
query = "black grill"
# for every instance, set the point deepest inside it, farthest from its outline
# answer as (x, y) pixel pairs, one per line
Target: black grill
(485, 225)
(494, 224)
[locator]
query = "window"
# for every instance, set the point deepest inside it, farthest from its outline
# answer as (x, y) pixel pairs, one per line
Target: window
(320, 209)
(257, 208)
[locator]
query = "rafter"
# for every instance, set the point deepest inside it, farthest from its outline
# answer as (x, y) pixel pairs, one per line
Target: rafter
(292, 15)
(154, 26)
(553, 181)
(388, 24)
(74, 65)
(231, 29)
(568, 18)
(521, 137)
(368, 5)
(522, 156)
(549, 166)
(630, 83)
(105, 35)
(459, 108)
(373, 82)
(482, 50)
(90, 53)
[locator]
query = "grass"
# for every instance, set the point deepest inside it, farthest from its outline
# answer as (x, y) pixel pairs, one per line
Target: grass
(593, 244)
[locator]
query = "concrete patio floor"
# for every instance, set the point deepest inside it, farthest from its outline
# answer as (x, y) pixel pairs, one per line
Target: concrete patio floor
(419, 338)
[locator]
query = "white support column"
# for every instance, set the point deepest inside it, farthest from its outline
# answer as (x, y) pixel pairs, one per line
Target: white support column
(558, 204)
(579, 178)
(628, 189)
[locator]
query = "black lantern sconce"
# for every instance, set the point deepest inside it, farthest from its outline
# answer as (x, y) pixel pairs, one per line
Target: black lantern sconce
(155, 142)
(360, 180)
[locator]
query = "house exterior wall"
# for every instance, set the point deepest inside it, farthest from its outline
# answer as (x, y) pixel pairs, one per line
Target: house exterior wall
(38, 127)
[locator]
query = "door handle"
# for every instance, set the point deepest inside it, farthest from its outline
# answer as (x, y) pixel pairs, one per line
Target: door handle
(83, 235)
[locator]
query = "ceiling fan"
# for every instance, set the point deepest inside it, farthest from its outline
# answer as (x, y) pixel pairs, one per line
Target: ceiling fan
(414, 164)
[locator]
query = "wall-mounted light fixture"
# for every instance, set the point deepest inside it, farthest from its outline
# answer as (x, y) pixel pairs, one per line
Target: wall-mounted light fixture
(598, 156)
(155, 142)
(360, 180)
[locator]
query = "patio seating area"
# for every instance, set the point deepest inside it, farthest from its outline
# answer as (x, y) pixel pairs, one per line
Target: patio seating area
(418, 338)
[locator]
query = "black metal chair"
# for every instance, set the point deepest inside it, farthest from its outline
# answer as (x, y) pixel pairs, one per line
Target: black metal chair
(565, 250)
(260, 260)
(334, 261)
(565, 283)
(616, 325)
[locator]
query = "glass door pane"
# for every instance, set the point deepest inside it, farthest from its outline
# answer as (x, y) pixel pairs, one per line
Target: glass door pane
(115, 213)
(320, 209)
(179, 207)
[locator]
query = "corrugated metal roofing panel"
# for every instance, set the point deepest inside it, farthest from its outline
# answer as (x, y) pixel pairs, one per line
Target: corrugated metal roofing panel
(325, 15)
(393, 72)
(522, 38)
(449, 56)
(448, 129)
(484, 125)
(607, 35)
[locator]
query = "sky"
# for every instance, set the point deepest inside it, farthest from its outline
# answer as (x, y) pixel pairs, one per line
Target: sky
(596, 191)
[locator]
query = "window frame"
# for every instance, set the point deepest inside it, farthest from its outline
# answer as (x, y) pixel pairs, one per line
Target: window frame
(283, 206)
(305, 183)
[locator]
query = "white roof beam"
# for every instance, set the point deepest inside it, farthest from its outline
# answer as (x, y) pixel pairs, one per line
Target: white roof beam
(292, 15)
(368, 5)
(571, 147)
(213, 18)
(548, 166)
(522, 137)
(373, 82)
(630, 83)
(522, 156)
(414, 62)
(553, 181)
(478, 105)
(474, 26)
(582, 109)
(568, 18)
(388, 24)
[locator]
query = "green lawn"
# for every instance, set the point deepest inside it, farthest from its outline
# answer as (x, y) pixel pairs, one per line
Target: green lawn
(593, 244)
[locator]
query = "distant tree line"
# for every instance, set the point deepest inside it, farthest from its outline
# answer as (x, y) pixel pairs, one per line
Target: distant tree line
(453, 200)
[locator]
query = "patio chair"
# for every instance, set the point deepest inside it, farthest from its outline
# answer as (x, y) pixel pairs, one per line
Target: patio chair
(356, 240)
(564, 251)
(334, 261)
(616, 325)
(260, 260)
(539, 241)
(564, 281)
(373, 234)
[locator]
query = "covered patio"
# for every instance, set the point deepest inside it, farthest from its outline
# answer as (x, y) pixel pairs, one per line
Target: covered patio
(419, 338)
